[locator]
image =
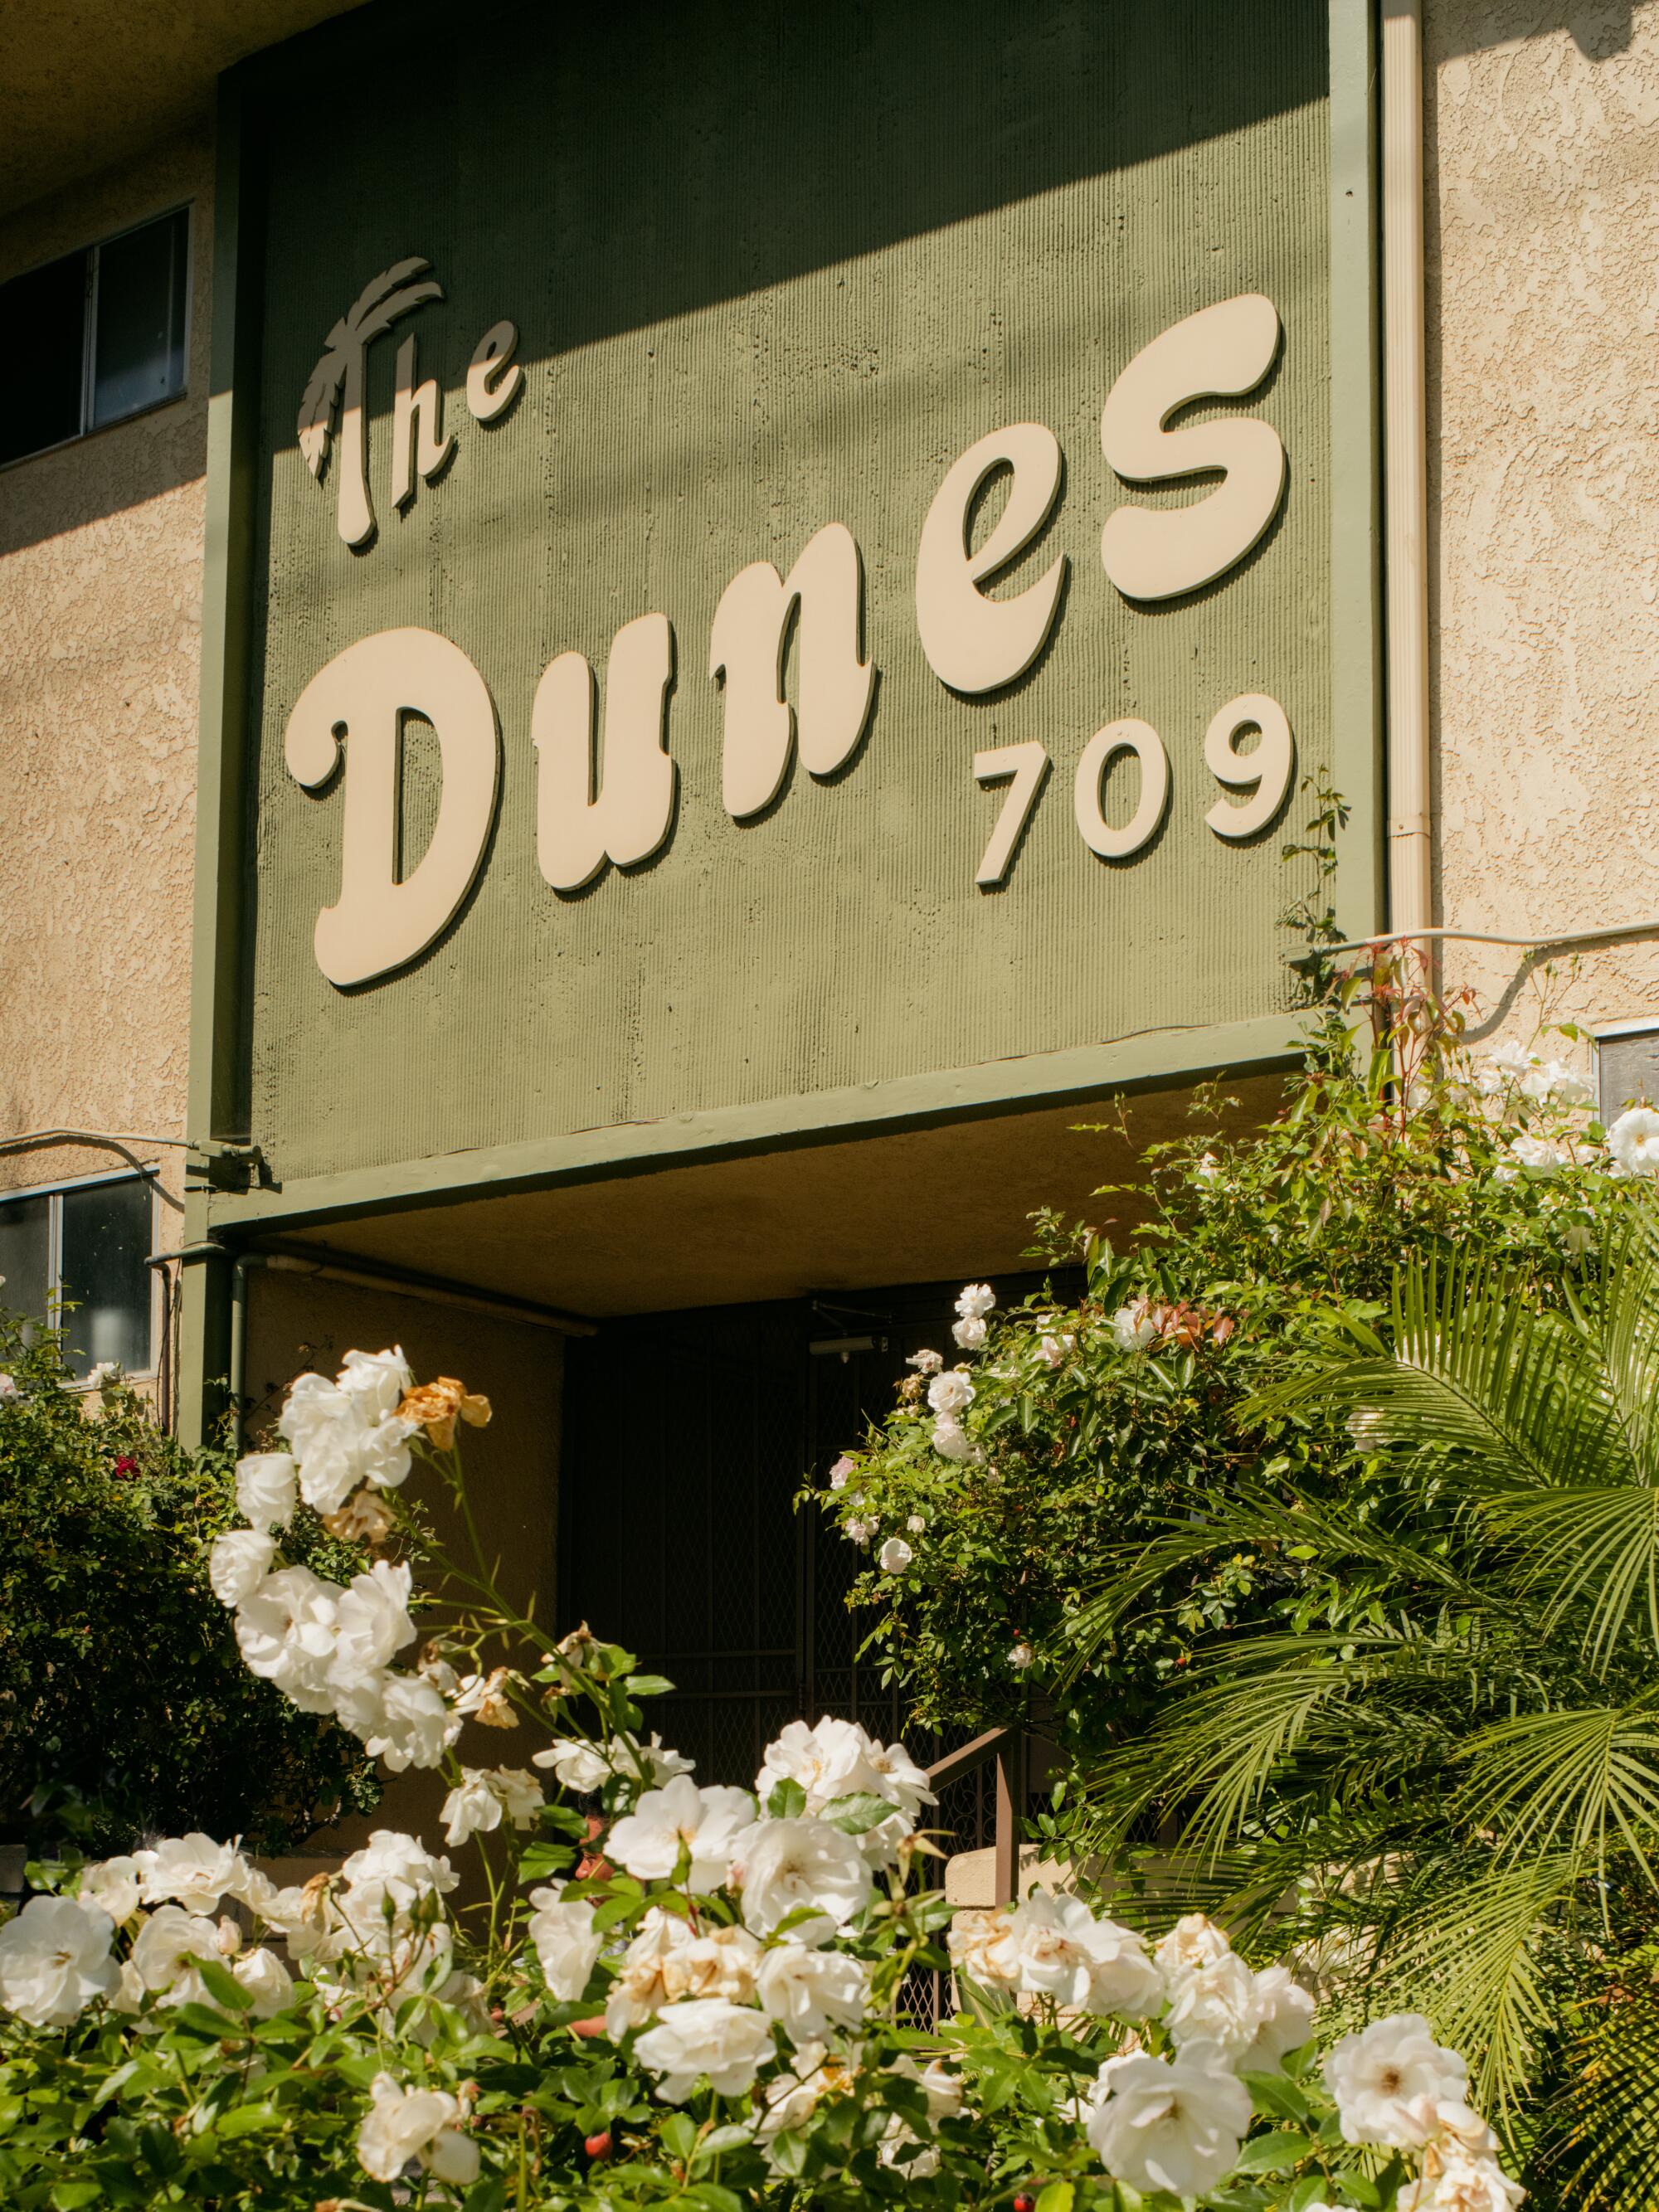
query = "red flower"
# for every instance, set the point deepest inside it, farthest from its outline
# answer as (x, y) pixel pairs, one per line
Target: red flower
(126, 1464)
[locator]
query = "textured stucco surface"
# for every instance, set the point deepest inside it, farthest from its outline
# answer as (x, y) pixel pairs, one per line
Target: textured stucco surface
(1543, 241)
(101, 590)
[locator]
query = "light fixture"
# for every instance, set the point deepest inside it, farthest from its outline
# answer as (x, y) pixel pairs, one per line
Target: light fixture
(827, 1347)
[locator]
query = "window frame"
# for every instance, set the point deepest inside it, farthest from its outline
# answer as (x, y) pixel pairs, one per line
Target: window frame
(92, 253)
(53, 1192)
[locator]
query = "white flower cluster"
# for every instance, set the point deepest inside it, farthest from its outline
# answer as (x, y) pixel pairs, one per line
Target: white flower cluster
(703, 1997)
(329, 1649)
(379, 1929)
(1176, 2122)
(1519, 1081)
(974, 1305)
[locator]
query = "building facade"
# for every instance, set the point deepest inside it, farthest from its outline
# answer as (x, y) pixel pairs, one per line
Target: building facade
(640, 660)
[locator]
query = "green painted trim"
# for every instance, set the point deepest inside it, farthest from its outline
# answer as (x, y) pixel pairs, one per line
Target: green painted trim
(1157, 1057)
(1356, 469)
(216, 1104)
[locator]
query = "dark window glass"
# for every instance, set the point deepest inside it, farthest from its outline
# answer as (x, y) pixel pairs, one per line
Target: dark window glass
(106, 1237)
(139, 348)
(26, 1255)
(43, 316)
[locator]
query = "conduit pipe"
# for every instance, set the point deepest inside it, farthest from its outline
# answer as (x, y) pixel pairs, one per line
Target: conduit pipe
(1405, 471)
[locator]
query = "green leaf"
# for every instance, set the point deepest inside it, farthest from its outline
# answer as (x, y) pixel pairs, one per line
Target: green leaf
(717, 2141)
(540, 1862)
(69, 2196)
(251, 2119)
(648, 1685)
(1056, 2198)
(224, 1985)
(1273, 2154)
(787, 1800)
(678, 2132)
(857, 1815)
(1276, 2095)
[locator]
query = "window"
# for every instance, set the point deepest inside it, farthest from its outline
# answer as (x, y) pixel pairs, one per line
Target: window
(1627, 1065)
(75, 1256)
(95, 337)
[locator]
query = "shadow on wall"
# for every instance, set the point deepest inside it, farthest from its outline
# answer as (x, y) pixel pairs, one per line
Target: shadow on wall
(1599, 28)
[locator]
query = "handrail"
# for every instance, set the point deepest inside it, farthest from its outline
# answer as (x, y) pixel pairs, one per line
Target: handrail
(1007, 1746)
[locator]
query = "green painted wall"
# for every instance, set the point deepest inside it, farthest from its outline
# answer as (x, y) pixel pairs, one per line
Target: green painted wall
(775, 266)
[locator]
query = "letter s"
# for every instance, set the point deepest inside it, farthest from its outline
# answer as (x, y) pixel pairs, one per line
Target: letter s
(1222, 351)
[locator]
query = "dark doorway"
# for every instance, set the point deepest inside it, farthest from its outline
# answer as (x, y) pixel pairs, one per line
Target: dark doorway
(687, 1437)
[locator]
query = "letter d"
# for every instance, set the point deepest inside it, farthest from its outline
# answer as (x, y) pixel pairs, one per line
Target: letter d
(362, 695)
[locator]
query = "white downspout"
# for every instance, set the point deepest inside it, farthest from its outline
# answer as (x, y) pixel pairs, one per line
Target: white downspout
(1405, 469)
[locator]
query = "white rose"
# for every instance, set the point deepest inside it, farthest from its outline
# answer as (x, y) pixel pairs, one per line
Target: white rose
(1633, 1141)
(373, 1622)
(396, 1866)
(895, 1556)
(580, 1766)
(641, 1987)
(565, 1942)
(1554, 1079)
(1194, 1941)
(424, 2123)
(267, 1489)
(239, 1561)
(192, 1868)
(1175, 2124)
(705, 2036)
(1284, 2019)
(1021, 1657)
(948, 1393)
(858, 1532)
(113, 1886)
(969, 1335)
(916, 1523)
(975, 1301)
(783, 1866)
(287, 1632)
(55, 1960)
(519, 1794)
(926, 1362)
(384, 1455)
(265, 1980)
(647, 1843)
(839, 1759)
(811, 1993)
(379, 1380)
(979, 1947)
(1133, 1328)
(415, 1726)
(1459, 2184)
(951, 1439)
(7, 1383)
(1215, 2004)
(840, 1472)
(1054, 1947)
(1052, 1350)
(164, 1945)
(1539, 1154)
(900, 2147)
(326, 1428)
(1389, 2079)
(791, 2098)
(472, 1807)
(661, 1764)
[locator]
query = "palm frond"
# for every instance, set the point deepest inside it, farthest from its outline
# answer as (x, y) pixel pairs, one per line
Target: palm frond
(381, 302)
(1556, 1783)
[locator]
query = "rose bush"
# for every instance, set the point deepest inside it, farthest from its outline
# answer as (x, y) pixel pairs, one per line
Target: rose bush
(124, 1703)
(669, 1991)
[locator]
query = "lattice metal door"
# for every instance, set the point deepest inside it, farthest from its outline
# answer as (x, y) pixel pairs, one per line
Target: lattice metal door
(686, 1437)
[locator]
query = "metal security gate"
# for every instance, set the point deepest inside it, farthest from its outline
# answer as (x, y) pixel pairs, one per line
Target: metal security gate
(686, 1438)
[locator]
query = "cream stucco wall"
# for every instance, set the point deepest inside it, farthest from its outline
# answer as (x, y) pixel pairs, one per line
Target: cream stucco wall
(1543, 310)
(101, 592)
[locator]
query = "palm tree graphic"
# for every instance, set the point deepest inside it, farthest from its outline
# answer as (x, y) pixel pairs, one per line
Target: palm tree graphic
(335, 388)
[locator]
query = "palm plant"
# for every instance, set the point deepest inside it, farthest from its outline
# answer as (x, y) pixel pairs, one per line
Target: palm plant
(335, 394)
(1440, 1749)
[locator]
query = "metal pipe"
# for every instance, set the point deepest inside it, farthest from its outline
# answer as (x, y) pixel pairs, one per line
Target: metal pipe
(429, 1293)
(1405, 465)
(1531, 945)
